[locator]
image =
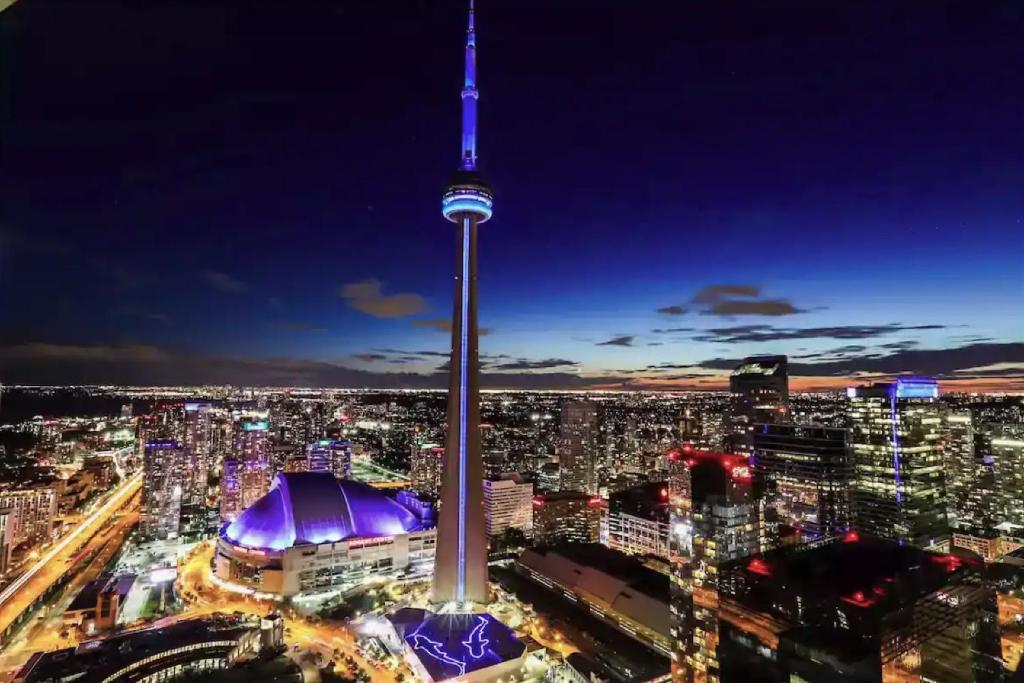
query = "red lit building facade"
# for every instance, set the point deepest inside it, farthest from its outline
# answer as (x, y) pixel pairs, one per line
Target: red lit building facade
(713, 520)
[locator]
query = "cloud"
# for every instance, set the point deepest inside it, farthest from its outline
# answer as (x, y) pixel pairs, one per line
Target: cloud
(931, 362)
(299, 328)
(625, 340)
(224, 282)
(367, 297)
(369, 357)
(718, 293)
(765, 333)
(524, 364)
(728, 301)
(671, 330)
(442, 325)
(672, 310)
(767, 307)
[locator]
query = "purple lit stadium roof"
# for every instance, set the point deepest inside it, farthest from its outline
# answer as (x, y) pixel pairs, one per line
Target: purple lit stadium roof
(314, 507)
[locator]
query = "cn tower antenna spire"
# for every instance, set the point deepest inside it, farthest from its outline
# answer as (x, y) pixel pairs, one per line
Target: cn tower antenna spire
(470, 95)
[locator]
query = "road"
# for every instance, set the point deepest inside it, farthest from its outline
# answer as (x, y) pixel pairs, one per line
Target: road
(324, 637)
(92, 543)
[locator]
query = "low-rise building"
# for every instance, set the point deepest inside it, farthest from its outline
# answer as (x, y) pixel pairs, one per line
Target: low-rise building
(154, 654)
(614, 587)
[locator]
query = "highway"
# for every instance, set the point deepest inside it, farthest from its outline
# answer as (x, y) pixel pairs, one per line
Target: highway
(38, 578)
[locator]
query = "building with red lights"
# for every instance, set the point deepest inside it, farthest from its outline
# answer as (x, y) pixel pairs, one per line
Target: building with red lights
(856, 608)
(713, 520)
(566, 517)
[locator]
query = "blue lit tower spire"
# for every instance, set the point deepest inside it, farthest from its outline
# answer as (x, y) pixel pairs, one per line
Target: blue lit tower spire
(460, 573)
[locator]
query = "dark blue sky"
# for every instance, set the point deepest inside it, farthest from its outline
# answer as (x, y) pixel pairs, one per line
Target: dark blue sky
(187, 188)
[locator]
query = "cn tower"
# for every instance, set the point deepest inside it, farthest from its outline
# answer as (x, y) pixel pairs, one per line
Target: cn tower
(460, 570)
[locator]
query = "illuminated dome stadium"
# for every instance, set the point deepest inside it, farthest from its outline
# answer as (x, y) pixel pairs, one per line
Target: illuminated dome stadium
(314, 507)
(348, 530)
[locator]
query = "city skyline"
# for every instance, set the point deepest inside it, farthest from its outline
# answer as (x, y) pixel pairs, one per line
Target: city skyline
(816, 182)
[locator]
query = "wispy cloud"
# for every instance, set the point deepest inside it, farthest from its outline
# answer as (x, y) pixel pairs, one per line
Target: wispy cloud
(224, 282)
(766, 333)
(624, 340)
(367, 297)
(443, 325)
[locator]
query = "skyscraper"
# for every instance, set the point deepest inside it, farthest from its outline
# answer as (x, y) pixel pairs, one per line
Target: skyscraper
(252, 451)
(426, 463)
(896, 437)
(195, 477)
(713, 520)
(759, 389)
(804, 474)
(460, 574)
(163, 473)
(578, 449)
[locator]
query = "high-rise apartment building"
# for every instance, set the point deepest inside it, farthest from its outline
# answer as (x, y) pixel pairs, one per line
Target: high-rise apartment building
(508, 504)
(566, 517)
(8, 537)
(896, 436)
(230, 490)
(1007, 451)
(164, 471)
(36, 507)
(577, 455)
(426, 463)
(713, 520)
(966, 473)
(197, 444)
(252, 451)
(330, 455)
(638, 520)
(804, 475)
(759, 393)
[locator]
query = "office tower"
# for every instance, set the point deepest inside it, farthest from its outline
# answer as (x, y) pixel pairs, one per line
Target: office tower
(804, 475)
(508, 504)
(856, 609)
(330, 455)
(252, 451)
(1007, 452)
(759, 393)
(566, 517)
(896, 438)
(426, 463)
(164, 470)
(36, 506)
(713, 520)
(460, 574)
(8, 536)
(196, 474)
(577, 455)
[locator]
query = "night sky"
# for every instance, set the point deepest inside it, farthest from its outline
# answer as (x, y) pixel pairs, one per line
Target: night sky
(211, 192)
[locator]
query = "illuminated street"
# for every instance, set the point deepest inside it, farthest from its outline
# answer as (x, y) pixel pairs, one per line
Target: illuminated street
(90, 545)
(330, 639)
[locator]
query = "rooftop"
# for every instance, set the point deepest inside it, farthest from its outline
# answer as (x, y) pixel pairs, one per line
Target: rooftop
(315, 507)
(451, 645)
(95, 660)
